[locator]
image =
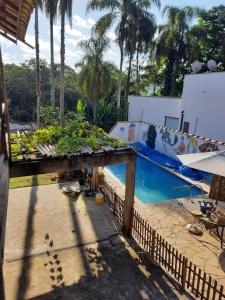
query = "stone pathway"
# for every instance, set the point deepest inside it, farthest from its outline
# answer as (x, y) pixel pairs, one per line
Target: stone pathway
(170, 222)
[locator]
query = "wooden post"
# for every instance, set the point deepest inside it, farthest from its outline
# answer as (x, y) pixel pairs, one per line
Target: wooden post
(5, 146)
(4, 188)
(153, 244)
(184, 272)
(129, 195)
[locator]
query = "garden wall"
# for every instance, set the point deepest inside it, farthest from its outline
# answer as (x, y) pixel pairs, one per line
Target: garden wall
(163, 139)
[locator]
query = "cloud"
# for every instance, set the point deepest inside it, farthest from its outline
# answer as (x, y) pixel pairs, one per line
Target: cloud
(111, 35)
(83, 23)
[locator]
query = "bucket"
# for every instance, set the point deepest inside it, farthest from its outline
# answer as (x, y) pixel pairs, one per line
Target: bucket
(99, 198)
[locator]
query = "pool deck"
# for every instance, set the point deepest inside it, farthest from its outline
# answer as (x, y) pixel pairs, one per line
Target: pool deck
(170, 220)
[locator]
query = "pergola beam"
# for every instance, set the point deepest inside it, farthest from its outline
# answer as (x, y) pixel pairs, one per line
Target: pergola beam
(20, 168)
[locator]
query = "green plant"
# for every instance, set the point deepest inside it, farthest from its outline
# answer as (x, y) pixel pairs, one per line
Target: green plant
(49, 116)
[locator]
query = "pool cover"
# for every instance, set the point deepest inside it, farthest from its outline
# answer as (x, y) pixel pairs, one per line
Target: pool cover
(170, 162)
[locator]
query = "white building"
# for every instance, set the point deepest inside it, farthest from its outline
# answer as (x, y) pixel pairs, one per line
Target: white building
(202, 106)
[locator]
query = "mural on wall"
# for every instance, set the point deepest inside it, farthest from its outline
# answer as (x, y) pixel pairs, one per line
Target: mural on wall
(151, 136)
(192, 146)
(131, 132)
(164, 140)
(208, 147)
(181, 147)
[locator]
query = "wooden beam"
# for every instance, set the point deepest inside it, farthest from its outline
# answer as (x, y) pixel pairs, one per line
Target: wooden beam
(129, 195)
(51, 165)
(18, 19)
(4, 114)
(4, 189)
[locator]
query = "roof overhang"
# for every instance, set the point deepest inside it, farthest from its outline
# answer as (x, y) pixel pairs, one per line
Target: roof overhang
(14, 18)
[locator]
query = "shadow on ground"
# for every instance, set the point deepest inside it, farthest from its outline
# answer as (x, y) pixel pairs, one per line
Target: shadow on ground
(107, 268)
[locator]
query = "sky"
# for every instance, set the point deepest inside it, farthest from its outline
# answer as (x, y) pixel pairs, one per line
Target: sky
(81, 29)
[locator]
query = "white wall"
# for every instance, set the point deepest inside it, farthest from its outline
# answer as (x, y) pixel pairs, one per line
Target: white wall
(153, 109)
(204, 99)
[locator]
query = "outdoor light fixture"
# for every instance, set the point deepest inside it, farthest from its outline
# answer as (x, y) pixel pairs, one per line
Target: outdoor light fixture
(212, 65)
(196, 67)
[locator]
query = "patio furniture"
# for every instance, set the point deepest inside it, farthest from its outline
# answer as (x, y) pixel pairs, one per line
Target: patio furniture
(215, 220)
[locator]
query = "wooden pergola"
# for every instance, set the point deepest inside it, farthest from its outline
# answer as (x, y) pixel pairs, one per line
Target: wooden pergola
(14, 19)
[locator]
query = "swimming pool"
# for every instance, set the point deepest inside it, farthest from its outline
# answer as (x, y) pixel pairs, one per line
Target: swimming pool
(153, 183)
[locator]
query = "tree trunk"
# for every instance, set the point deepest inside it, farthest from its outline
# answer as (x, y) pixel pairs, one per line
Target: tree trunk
(52, 62)
(62, 53)
(137, 70)
(128, 86)
(38, 79)
(120, 78)
(169, 73)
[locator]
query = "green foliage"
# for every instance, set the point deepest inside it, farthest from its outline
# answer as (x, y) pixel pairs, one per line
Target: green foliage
(49, 116)
(76, 134)
(107, 113)
(209, 35)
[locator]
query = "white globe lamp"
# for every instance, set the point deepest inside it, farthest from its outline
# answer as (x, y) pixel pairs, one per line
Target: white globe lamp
(196, 67)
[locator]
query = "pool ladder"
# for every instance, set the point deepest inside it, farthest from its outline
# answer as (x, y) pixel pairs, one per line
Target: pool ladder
(189, 188)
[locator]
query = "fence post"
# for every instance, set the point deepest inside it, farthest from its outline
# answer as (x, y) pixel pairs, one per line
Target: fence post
(153, 244)
(114, 203)
(184, 272)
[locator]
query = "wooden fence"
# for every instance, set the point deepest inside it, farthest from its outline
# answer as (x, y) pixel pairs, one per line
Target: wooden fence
(188, 275)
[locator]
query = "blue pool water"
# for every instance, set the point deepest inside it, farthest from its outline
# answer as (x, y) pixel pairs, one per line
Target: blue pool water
(153, 183)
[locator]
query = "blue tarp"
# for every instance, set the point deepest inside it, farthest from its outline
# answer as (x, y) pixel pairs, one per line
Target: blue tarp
(170, 162)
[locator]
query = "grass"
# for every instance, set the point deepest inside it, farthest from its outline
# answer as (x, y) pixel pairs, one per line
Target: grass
(28, 181)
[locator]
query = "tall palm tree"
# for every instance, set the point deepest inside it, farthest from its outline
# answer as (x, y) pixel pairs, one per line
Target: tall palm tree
(95, 77)
(140, 31)
(120, 10)
(38, 4)
(51, 11)
(173, 42)
(146, 29)
(65, 8)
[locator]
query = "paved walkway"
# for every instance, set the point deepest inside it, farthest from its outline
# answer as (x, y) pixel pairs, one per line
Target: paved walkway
(170, 221)
(66, 248)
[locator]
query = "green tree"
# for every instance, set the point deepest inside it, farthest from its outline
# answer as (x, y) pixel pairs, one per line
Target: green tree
(174, 43)
(120, 11)
(65, 8)
(95, 77)
(208, 35)
(51, 12)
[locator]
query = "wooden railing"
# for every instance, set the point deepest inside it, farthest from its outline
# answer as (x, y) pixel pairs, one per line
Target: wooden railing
(190, 277)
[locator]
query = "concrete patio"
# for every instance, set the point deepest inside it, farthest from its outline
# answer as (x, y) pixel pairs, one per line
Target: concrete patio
(66, 248)
(170, 222)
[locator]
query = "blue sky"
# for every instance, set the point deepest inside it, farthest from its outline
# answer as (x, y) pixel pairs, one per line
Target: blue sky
(81, 29)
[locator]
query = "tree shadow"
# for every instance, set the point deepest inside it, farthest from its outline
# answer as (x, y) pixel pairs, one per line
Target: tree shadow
(112, 270)
(24, 280)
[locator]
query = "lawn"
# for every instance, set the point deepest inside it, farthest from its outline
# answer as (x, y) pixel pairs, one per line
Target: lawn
(27, 181)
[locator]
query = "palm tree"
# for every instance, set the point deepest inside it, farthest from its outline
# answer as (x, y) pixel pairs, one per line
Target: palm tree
(95, 78)
(146, 29)
(65, 8)
(173, 43)
(51, 11)
(120, 10)
(38, 4)
(140, 32)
